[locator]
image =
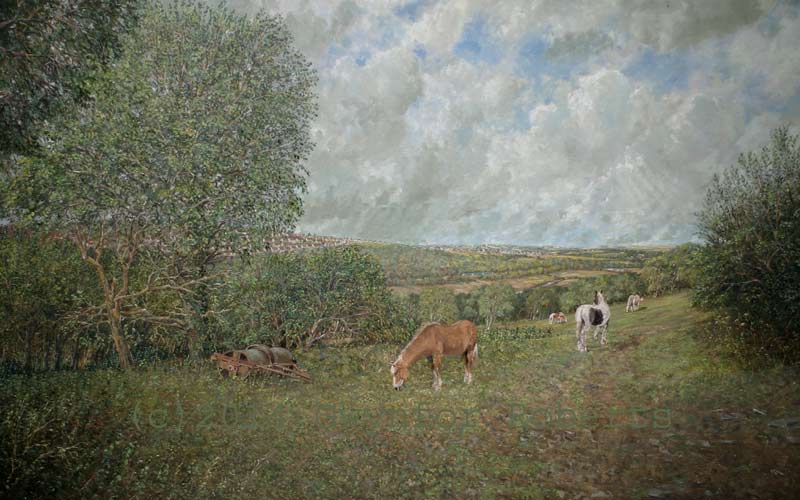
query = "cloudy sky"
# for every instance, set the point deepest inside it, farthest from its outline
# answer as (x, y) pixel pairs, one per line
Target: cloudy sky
(541, 122)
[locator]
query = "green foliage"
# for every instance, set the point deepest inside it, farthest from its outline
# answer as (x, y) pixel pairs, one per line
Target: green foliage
(42, 279)
(577, 293)
(198, 132)
(299, 299)
(57, 428)
(192, 145)
(672, 271)
(51, 50)
(542, 301)
(496, 301)
(616, 288)
(438, 304)
(467, 304)
(750, 222)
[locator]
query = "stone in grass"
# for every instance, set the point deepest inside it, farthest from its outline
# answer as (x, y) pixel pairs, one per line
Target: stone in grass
(601, 494)
(658, 493)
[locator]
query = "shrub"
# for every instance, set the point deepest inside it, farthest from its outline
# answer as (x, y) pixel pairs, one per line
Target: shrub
(748, 267)
(299, 299)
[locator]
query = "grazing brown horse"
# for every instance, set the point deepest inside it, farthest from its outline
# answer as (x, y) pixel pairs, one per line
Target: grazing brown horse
(434, 340)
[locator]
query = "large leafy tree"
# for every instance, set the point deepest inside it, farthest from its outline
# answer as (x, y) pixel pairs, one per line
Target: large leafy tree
(192, 147)
(49, 52)
(751, 226)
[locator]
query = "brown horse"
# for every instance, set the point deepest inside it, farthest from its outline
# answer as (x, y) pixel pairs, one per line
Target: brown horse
(434, 340)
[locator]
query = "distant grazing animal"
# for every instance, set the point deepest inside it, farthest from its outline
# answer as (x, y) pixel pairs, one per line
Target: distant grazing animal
(634, 301)
(588, 315)
(557, 318)
(552, 318)
(434, 340)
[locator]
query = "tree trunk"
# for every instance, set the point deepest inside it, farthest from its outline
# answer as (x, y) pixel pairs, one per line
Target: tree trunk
(59, 351)
(28, 349)
(195, 349)
(121, 346)
(76, 355)
(201, 322)
(47, 355)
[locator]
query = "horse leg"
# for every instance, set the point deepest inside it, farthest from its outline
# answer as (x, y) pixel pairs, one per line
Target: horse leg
(437, 372)
(603, 337)
(580, 333)
(469, 359)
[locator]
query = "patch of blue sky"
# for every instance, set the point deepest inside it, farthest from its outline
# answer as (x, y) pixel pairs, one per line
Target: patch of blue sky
(362, 57)
(757, 100)
(666, 71)
(360, 45)
(413, 9)
(533, 63)
(420, 52)
(476, 44)
(522, 120)
(333, 53)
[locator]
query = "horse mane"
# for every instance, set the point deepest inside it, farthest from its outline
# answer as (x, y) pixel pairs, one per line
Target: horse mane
(416, 334)
(419, 332)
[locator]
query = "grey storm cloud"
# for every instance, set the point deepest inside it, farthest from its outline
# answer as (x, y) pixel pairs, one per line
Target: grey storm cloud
(535, 122)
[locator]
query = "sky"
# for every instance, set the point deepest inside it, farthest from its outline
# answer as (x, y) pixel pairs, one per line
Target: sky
(535, 122)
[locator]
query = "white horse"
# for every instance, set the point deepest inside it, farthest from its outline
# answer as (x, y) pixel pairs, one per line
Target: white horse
(588, 315)
(634, 301)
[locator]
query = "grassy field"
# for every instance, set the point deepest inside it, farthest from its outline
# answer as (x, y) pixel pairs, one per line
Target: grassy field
(656, 413)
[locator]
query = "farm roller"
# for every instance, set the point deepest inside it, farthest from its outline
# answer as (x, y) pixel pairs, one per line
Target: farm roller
(258, 358)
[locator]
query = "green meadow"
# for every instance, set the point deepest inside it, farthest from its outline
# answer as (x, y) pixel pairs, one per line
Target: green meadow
(658, 412)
